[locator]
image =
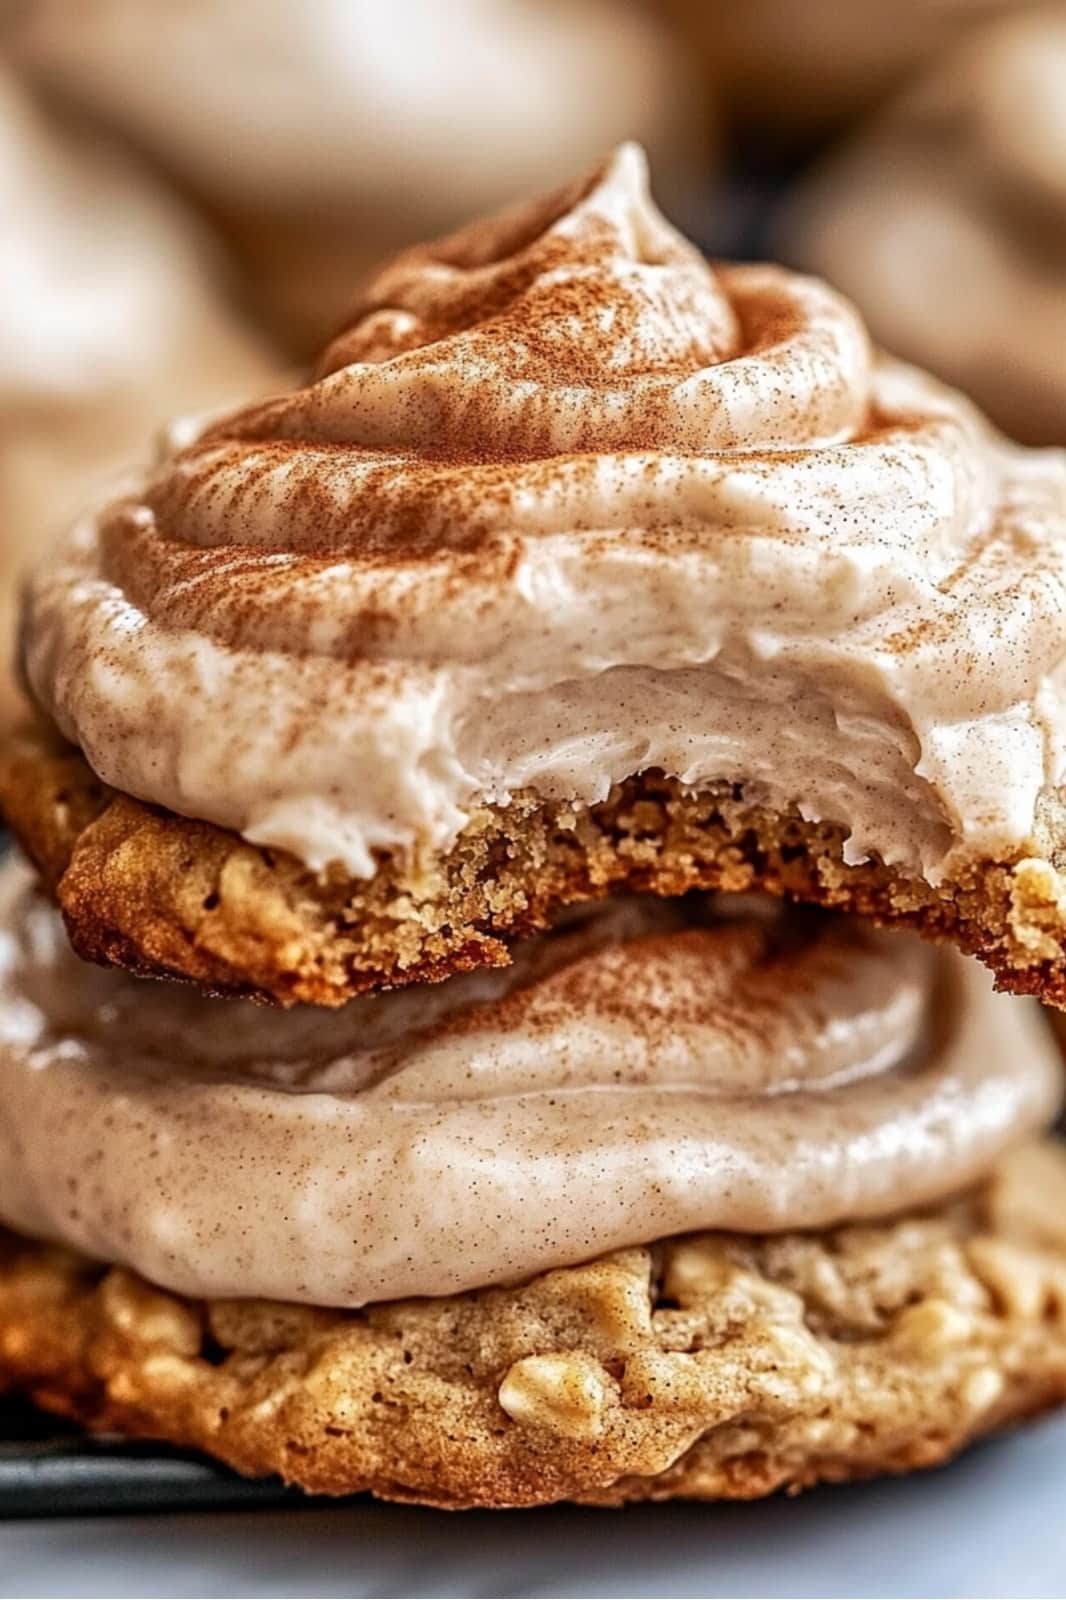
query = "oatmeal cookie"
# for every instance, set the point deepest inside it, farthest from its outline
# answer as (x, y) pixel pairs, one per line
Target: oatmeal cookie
(715, 1365)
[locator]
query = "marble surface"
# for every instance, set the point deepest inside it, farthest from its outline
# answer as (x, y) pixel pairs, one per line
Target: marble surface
(989, 1525)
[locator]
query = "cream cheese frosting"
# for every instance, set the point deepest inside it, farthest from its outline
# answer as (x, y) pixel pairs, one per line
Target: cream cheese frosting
(647, 1068)
(563, 504)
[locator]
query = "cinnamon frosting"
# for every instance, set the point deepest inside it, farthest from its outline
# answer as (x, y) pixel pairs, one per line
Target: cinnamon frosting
(946, 219)
(565, 503)
(646, 1068)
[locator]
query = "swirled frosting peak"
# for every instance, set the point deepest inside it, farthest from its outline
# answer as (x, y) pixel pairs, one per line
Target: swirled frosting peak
(563, 503)
(535, 347)
(585, 323)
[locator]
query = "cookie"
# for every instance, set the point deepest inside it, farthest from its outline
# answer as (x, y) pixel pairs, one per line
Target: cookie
(167, 896)
(577, 563)
(715, 1365)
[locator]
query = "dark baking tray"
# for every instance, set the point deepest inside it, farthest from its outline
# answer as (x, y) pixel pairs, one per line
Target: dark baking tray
(48, 1469)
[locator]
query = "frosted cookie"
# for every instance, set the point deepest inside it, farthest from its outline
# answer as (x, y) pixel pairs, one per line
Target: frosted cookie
(578, 564)
(714, 1366)
(692, 1199)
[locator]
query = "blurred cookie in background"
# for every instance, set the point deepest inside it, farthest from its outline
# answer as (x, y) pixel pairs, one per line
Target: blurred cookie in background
(946, 221)
(1057, 1019)
(325, 136)
(787, 72)
(112, 320)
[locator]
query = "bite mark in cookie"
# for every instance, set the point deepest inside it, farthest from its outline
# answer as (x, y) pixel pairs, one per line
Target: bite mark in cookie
(164, 896)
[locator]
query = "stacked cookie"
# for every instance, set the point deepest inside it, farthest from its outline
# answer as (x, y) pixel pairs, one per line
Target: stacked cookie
(507, 704)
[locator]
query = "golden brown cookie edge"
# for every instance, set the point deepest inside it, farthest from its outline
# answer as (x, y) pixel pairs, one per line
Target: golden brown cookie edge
(161, 895)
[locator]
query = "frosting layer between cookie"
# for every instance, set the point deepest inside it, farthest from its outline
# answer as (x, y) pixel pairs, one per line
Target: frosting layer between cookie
(646, 1069)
